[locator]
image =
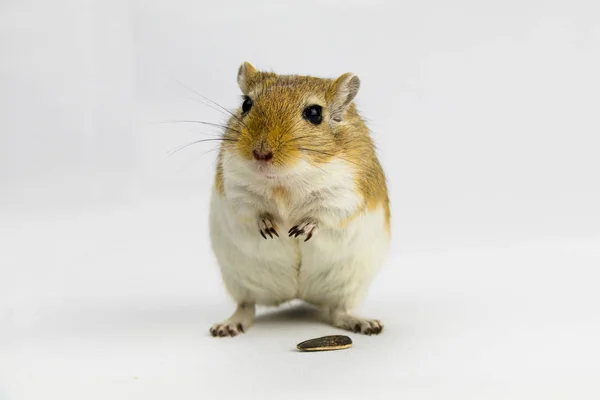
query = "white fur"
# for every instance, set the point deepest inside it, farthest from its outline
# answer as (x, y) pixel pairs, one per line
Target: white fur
(333, 269)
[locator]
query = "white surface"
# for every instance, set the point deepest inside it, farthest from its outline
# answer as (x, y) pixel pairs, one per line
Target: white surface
(486, 120)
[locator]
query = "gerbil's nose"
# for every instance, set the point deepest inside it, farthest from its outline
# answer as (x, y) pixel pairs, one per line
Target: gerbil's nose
(262, 156)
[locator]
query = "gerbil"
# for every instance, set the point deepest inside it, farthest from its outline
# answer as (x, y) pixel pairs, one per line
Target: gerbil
(299, 208)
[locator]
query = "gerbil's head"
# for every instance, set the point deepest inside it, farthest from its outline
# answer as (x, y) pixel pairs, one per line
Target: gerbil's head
(285, 120)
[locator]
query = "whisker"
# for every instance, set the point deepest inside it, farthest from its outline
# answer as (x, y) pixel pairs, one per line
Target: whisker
(297, 138)
(212, 102)
(211, 150)
(201, 122)
(333, 155)
(316, 166)
(178, 149)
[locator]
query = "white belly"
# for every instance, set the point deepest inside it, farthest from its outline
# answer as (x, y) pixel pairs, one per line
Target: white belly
(338, 267)
(334, 268)
(253, 269)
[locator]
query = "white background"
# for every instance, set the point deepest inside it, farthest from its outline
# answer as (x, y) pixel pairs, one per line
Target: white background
(486, 119)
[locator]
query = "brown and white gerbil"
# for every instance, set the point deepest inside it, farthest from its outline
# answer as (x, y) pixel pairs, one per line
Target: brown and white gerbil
(299, 208)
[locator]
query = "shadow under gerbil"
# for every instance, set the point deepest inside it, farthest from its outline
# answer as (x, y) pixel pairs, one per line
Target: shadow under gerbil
(291, 314)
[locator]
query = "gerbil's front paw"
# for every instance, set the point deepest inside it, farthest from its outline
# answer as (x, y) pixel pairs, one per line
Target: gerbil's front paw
(267, 227)
(306, 227)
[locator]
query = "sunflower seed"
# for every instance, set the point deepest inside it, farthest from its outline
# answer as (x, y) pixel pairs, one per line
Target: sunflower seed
(325, 343)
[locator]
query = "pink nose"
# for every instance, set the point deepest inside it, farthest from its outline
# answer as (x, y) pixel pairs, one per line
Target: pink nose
(266, 156)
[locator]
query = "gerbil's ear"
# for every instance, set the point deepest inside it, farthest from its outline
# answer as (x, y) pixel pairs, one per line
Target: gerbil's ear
(346, 87)
(245, 75)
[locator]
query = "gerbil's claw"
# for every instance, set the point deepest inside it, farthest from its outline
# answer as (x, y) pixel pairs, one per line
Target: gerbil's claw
(304, 228)
(266, 227)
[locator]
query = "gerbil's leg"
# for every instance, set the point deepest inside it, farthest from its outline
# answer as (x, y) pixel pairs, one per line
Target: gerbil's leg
(266, 226)
(239, 321)
(340, 318)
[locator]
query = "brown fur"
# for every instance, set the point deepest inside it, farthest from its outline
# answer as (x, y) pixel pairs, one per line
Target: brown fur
(275, 123)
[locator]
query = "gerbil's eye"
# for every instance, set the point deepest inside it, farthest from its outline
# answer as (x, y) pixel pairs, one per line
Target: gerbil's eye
(246, 105)
(313, 114)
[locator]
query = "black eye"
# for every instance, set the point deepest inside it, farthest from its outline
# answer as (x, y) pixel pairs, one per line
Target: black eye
(246, 105)
(313, 114)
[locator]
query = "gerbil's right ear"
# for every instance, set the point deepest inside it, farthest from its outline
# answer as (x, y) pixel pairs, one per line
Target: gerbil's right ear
(345, 88)
(245, 76)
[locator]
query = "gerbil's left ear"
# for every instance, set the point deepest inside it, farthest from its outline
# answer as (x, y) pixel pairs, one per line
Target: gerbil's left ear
(346, 87)
(245, 74)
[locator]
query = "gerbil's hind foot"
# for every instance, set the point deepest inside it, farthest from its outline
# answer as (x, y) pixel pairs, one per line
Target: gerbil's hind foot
(238, 323)
(354, 324)
(267, 227)
(226, 329)
(306, 227)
